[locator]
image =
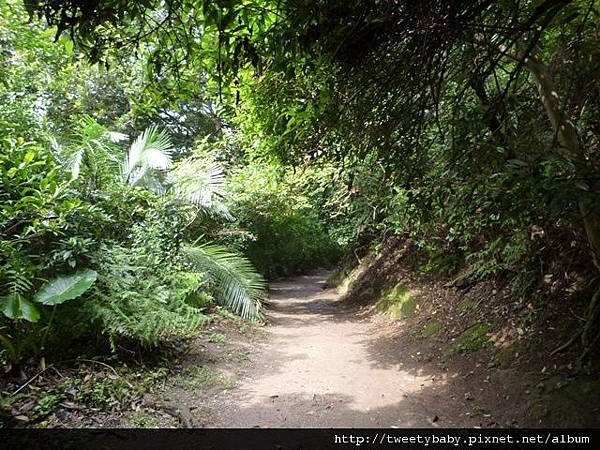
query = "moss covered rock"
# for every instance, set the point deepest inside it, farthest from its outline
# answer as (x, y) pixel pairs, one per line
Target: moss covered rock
(472, 339)
(505, 356)
(397, 303)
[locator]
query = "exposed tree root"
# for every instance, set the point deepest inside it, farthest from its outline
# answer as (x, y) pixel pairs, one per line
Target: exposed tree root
(178, 410)
(567, 344)
(589, 335)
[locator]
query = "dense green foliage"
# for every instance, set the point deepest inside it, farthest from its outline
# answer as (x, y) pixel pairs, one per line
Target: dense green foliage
(288, 131)
(54, 224)
(279, 226)
(98, 236)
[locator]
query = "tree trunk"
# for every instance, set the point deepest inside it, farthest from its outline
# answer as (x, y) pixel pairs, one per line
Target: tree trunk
(477, 83)
(571, 149)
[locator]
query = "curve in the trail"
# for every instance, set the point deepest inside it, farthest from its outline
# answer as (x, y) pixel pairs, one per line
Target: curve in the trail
(319, 367)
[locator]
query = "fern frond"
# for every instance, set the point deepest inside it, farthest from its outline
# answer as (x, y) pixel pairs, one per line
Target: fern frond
(135, 299)
(19, 283)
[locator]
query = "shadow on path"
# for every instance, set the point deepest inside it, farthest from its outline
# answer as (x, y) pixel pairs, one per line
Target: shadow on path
(323, 365)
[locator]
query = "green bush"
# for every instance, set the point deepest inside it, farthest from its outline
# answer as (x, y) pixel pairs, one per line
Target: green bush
(276, 225)
(144, 299)
(55, 224)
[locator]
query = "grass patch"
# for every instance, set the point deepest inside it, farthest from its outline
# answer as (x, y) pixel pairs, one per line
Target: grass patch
(472, 339)
(243, 326)
(397, 303)
(144, 420)
(239, 355)
(432, 329)
(112, 391)
(216, 338)
(200, 378)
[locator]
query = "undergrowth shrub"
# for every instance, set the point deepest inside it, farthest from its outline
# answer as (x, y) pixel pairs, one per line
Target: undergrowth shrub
(145, 289)
(494, 221)
(143, 299)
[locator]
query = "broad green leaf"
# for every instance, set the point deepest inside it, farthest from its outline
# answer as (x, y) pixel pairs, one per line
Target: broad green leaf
(15, 306)
(65, 287)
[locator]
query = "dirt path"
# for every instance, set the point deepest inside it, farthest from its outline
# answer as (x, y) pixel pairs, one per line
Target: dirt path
(317, 368)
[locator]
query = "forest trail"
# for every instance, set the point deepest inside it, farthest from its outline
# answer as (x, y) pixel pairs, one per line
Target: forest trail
(321, 366)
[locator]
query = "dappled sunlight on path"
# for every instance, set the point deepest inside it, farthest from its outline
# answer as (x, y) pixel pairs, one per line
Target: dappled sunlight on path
(316, 369)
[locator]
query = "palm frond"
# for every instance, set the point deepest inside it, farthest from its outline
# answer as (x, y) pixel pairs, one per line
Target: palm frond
(151, 151)
(200, 181)
(238, 286)
(74, 162)
(117, 137)
(92, 145)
